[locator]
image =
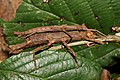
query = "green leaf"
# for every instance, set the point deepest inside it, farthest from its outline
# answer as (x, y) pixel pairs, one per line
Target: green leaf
(103, 54)
(59, 65)
(50, 66)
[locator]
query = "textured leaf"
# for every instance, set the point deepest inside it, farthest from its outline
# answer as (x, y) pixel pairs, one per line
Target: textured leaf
(51, 66)
(55, 65)
(105, 55)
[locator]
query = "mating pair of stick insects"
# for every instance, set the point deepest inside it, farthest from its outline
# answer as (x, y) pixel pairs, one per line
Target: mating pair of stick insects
(46, 36)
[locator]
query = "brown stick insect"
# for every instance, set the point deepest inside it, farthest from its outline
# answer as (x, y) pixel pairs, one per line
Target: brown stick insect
(47, 36)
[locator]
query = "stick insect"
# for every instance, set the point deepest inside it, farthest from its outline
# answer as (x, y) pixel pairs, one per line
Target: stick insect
(47, 36)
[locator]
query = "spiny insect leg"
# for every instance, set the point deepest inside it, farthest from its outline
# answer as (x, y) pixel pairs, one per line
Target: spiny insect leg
(70, 50)
(16, 51)
(97, 32)
(35, 51)
(40, 48)
(68, 35)
(93, 40)
(29, 35)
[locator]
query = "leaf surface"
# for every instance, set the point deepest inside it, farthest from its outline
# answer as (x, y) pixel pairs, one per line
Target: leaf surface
(59, 65)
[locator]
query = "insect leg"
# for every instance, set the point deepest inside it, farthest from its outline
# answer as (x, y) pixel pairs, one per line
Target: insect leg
(35, 51)
(93, 40)
(16, 51)
(41, 48)
(97, 32)
(68, 35)
(73, 54)
(28, 35)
